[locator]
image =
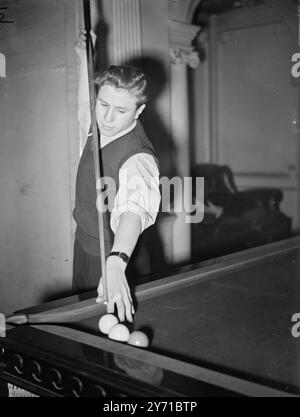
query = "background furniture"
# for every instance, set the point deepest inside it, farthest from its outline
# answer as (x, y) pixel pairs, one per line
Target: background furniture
(235, 220)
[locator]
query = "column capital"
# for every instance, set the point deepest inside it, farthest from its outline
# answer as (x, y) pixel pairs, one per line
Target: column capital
(183, 10)
(181, 37)
(182, 56)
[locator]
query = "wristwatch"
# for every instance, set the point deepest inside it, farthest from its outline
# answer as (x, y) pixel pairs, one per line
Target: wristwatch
(122, 255)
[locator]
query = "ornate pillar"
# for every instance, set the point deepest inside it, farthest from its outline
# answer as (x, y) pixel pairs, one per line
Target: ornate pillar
(126, 30)
(182, 55)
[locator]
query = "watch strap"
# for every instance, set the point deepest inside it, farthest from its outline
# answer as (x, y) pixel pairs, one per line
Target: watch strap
(125, 258)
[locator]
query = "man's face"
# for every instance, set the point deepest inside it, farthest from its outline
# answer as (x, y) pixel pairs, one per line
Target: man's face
(116, 109)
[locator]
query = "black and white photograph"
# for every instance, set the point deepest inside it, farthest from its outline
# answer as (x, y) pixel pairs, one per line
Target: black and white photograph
(149, 201)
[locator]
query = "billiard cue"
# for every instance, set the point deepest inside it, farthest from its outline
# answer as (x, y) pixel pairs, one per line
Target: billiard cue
(70, 313)
(96, 148)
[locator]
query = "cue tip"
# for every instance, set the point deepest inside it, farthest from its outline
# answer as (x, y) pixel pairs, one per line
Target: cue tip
(17, 319)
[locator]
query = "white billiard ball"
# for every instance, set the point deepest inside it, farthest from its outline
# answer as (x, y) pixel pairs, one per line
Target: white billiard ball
(119, 332)
(138, 339)
(107, 322)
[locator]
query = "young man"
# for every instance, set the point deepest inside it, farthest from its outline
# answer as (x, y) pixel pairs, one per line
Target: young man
(127, 158)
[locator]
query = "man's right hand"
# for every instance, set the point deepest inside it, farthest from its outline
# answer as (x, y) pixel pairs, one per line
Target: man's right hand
(80, 44)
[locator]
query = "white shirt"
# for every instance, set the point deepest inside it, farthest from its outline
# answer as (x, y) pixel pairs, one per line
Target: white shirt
(138, 179)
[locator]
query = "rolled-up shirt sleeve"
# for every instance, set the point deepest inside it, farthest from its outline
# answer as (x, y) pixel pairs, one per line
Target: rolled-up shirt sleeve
(138, 191)
(84, 119)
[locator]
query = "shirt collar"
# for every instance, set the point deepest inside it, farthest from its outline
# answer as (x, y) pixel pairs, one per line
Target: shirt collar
(105, 140)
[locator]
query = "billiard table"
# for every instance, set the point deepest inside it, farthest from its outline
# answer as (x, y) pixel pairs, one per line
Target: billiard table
(223, 327)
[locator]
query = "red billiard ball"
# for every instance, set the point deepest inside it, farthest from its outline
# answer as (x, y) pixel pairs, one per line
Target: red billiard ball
(138, 339)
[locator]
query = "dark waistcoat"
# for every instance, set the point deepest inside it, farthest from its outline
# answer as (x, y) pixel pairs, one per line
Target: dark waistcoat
(113, 157)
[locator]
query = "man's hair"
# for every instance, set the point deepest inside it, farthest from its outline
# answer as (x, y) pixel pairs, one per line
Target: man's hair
(125, 77)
